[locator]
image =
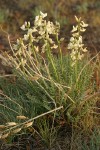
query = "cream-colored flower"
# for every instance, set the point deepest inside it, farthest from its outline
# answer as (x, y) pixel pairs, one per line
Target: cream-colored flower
(51, 41)
(75, 34)
(70, 45)
(43, 15)
(72, 39)
(76, 42)
(74, 29)
(34, 29)
(26, 37)
(62, 39)
(80, 56)
(30, 31)
(83, 24)
(50, 27)
(18, 41)
(54, 46)
(80, 39)
(41, 31)
(38, 21)
(36, 48)
(77, 19)
(73, 55)
(84, 49)
(37, 18)
(82, 30)
(25, 25)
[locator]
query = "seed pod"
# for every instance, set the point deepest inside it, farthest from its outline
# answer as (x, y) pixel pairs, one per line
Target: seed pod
(11, 124)
(28, 124)
(21, 117)
(4, 136)
(2, 127)
(16, 130)
(34, 78)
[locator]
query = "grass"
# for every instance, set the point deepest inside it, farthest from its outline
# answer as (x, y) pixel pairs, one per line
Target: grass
(46, 93)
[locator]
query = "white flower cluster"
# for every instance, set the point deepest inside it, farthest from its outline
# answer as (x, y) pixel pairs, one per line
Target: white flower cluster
(76, 41)
(41, 32)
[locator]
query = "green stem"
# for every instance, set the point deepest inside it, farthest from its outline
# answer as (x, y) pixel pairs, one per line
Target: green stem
(76, 72)
(51, 60)
(33, 50)
(60, 51)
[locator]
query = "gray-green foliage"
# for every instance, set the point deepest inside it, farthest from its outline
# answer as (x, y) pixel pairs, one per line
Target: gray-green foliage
(45, 81)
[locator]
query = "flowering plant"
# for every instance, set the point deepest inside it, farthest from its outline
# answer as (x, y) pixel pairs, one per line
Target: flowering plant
(41, 31)
(41, 38)
(76, 41)
(46, 82)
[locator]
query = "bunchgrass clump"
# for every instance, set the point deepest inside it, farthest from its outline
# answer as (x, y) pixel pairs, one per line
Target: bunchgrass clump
(46, 82)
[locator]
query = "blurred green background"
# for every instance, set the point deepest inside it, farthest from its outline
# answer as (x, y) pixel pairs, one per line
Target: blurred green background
(15, 12)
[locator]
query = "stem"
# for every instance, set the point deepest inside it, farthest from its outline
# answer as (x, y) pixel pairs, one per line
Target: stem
(32, 119)
(76, 71)
(33, 50)
(51, 59)
(60, 51)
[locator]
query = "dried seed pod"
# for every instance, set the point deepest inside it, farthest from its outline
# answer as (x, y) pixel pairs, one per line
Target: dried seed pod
(34, 78)
(4, 136)
(21, 117)
(2, 127)
(28, 124)
(16, 130)
(11, 124)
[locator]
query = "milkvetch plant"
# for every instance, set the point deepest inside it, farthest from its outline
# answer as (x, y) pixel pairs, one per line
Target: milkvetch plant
(41, 38)
(76, 41)
(46, 81)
